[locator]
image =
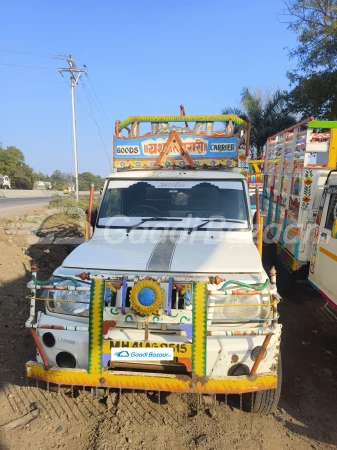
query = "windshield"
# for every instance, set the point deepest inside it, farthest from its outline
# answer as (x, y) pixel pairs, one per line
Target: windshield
(165, 199)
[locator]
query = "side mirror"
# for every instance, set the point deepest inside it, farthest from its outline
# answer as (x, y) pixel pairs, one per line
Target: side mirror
(254, 219)
(93, 217)
(334, 230)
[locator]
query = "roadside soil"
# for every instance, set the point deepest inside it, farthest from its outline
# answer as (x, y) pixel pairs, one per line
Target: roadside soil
(305, 419)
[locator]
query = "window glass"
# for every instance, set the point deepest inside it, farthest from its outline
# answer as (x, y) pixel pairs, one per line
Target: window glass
(332, 211)
(174, 199)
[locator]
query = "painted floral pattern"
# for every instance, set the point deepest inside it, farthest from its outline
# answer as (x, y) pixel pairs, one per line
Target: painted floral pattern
(307, 189)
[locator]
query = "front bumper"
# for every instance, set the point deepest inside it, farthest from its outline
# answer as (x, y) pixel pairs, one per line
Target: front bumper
(152, 381)
(212, 350)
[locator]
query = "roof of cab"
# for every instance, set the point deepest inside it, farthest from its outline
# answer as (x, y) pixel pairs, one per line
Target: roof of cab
(186, 174)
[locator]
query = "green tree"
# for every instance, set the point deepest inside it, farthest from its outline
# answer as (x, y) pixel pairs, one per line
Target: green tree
(12, 163)
(39, 176)
(268, 113)
(86, 179)
(59, 179)
(23, 178)
(314, 79)
(315, 23)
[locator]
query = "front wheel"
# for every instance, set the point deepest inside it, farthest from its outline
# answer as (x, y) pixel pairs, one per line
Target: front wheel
(265, 402)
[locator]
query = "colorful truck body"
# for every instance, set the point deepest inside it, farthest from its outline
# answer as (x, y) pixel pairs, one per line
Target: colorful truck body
(297, 166)
(169, 293)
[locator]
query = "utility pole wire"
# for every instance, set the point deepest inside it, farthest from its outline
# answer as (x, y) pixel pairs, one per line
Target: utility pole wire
(38, 55)
(99, 130)
(99, 111)
(85, 109)
(27, 67)
(29, 79)
(92, 87)
(73, 70)
(106, 122)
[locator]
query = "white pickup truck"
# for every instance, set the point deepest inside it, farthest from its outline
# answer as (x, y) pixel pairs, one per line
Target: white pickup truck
(169, 293)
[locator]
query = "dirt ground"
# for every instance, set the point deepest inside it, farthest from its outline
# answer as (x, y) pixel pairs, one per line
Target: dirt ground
(307, 414)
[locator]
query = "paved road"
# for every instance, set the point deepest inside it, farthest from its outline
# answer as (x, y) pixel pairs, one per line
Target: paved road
(7, 204)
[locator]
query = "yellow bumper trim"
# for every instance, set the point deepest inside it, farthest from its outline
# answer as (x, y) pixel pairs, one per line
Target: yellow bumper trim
(150, 381)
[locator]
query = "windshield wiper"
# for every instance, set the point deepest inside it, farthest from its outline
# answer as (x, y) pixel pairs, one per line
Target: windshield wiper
(152, 219)
(198, 227)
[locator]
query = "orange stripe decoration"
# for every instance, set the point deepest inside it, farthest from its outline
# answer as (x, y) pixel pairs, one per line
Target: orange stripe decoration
(95, 326)
(199, 329)
(327, 253)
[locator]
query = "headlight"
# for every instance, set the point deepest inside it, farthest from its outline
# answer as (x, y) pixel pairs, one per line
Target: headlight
(241, 307)
(67, 306)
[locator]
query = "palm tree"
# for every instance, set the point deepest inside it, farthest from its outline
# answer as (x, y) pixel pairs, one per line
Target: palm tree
(268, 115)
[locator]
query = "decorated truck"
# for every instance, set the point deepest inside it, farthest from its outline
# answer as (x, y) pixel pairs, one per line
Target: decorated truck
(40, 185)
(168, 293)
(299, 202)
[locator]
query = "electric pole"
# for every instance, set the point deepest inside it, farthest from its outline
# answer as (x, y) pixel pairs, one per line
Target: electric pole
(75, 75)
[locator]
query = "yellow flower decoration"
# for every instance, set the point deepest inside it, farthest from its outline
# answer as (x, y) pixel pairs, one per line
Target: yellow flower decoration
(185, 289)
(112, 288)
(146, 297)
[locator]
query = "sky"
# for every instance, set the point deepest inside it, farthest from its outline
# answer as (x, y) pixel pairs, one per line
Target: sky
(143, 57)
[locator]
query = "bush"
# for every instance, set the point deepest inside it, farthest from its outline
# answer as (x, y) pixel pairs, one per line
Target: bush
(68, 205)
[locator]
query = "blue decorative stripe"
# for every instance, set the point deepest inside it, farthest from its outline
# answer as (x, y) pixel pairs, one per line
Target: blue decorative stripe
(269, 207)
(124, 291)
(276, 218)
(169, 299)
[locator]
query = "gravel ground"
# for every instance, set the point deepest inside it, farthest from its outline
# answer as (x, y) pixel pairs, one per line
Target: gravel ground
(306, 418)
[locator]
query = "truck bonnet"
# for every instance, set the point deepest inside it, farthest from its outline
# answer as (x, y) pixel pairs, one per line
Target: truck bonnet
(168, 254)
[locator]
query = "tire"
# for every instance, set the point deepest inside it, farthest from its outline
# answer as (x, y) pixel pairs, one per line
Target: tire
(285, 279)
(265, 402)
(269, 255)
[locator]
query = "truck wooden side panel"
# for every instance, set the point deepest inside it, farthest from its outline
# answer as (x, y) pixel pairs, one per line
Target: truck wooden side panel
(296, 167)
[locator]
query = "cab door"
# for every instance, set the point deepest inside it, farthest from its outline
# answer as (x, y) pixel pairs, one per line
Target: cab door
(323, 266)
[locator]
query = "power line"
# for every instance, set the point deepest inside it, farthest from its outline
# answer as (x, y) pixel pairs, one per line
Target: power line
(38, 55)
(105, 120)
(30, 79)
(82, 104)
(99, 130)
(27, 67)
(92, 87)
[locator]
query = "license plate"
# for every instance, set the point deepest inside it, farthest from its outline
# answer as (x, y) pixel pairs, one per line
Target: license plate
(182, 350)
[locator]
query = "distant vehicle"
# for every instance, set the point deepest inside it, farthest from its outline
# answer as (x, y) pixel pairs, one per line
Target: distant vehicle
(42, 185)
(5, 182)
(68, 188)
